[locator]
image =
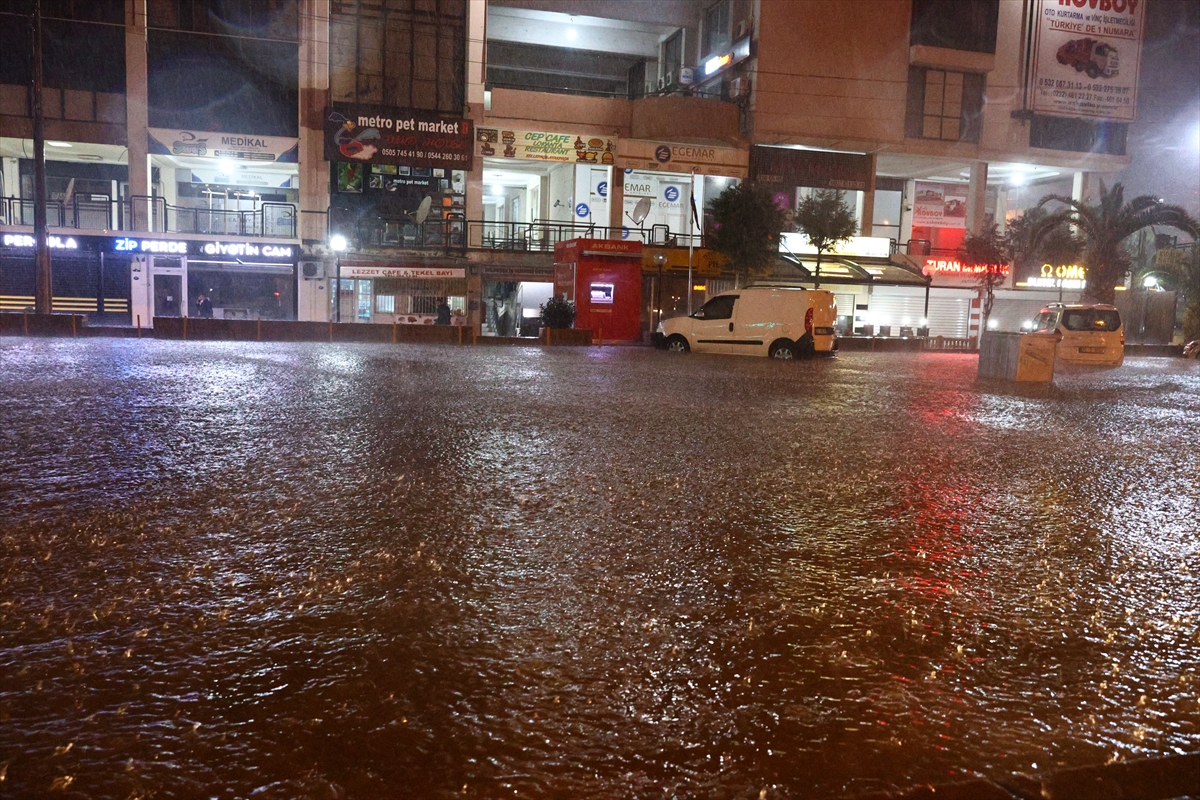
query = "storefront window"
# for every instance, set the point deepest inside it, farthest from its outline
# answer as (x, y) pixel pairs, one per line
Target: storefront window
(242, 294)
(364, 301)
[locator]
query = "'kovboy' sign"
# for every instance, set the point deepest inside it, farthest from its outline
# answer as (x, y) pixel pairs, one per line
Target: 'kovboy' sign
(380, 135)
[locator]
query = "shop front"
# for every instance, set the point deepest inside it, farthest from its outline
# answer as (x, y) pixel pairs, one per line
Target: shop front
(397, 176)
(86, 277)
(382, 292)
(225, 184)
(238, 279)
(794, 173)
(663, 179)
(535, 182)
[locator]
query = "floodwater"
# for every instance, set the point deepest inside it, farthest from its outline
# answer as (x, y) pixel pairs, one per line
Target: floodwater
(324, 571)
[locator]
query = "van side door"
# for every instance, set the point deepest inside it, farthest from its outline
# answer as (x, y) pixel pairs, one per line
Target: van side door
(713, 326)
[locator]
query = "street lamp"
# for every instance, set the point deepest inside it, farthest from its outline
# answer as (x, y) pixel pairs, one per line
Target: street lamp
(660, 260)
(338, 244)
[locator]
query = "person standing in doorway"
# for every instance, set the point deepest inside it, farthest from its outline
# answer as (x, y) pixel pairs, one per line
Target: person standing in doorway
(443, 312)
(203, 306)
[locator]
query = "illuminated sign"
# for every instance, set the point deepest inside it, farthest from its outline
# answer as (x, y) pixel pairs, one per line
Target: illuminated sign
(602, 293)
(126, 245)
(950, 266)
(714, 64)
(868, 246)
(54, 242)
(739, 52)
(1070, 276)
(245, 249)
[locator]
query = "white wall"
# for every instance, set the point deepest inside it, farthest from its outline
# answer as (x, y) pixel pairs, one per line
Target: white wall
(562, 193)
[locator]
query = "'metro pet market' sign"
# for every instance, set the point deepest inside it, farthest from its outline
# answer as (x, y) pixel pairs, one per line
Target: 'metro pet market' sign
(406, 136)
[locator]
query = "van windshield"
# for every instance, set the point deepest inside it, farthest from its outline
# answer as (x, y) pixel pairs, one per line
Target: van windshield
(1091, 319)
(1046, 321)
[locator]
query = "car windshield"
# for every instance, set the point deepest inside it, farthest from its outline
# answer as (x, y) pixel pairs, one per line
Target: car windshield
(1046, 321)
(1091, 319)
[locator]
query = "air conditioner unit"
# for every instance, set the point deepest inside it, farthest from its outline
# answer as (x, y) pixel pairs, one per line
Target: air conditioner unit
(669, 79)
(312, 270)
(743, 28)
(739, 87)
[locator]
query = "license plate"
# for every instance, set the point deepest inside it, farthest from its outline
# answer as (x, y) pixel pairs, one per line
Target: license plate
(823, 331)
(1091, 349)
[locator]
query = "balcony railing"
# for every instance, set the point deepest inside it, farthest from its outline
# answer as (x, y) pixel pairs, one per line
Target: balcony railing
(541, 236)
(154, 215)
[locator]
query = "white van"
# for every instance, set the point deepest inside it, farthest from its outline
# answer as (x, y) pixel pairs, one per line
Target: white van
(1088, 334)
(775, 321)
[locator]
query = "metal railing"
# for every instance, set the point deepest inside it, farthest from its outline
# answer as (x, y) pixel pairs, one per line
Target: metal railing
(154, 215)
(541, 236)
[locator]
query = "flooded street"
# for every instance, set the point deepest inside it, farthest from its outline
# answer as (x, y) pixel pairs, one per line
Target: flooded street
(322, 571)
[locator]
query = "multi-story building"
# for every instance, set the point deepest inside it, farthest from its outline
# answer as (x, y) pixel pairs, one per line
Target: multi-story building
(363, 160)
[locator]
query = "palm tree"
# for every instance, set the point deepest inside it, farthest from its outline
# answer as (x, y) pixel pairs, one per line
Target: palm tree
(1103, 228)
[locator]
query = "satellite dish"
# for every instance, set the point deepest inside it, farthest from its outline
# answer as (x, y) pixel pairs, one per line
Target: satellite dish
(641, 211)
(422, 212)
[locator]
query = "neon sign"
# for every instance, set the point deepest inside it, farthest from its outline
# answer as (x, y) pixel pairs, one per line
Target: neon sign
(54, 242)
(126, 245)
(1064, 276)
(951, 266)
(245, 249)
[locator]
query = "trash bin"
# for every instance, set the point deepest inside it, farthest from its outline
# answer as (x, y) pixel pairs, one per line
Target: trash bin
(1022, 357)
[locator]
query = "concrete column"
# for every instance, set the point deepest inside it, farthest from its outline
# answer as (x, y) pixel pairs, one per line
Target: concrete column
(867, 212)
(616, 201)
(137, 111)
(11, 178)
(476, 39)
(314, 96)
(977, 198)
(1002, 208)
(1081, 187)
(907, 202)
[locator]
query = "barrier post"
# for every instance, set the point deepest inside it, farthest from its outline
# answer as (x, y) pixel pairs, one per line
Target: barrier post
(330, 330)
(474, 335)
(395, 329)
(185, 319)
(139, 325)
(258, 330)
(25, 321)
(460, 327)
(600, 337)
(73, 333)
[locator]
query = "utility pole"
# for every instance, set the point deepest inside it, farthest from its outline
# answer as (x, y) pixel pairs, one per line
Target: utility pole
(43, 292)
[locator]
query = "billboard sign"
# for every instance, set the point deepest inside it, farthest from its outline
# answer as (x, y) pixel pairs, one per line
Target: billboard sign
(542, 146)
(382, 135)
(1086, 56)
(940, 205)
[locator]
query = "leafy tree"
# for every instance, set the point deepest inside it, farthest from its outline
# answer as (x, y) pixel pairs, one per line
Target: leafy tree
(825, 219)
(986, 250)
(1104, 227)
(745, 228)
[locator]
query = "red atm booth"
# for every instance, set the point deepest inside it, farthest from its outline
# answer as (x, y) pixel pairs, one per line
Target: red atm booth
(603, 277)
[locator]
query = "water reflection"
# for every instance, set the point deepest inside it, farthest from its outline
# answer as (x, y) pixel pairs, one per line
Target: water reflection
(361, 570)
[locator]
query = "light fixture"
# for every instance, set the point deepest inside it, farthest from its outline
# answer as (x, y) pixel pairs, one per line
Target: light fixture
(337, 243)
(571, 34)
(1150, 282)
(225, 166)
(1017, 179)
(58, 144)
(993, 324)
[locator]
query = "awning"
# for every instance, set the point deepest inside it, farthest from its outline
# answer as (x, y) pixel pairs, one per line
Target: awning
(858, 271)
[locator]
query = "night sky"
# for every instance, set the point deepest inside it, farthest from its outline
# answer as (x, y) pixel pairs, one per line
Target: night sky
(1164, 141)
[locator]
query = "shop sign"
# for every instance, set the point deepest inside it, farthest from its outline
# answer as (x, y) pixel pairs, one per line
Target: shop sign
(953, 267)
(242, 249)
(1086, 57)
(244, 177)
(124, 244)
(53, 242)
(216, 145)
(541, 146)
(353, 271)
(730, 162)
(940, 205)
(1069, 276)
(816, 169)
(861, 246)
(384, 135)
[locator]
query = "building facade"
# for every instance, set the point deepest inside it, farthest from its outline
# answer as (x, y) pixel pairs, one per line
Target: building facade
(370, 160)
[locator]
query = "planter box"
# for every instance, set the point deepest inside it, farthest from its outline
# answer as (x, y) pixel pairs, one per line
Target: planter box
(566, 336)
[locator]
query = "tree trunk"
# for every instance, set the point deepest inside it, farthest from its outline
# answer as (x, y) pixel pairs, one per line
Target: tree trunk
(817, 275)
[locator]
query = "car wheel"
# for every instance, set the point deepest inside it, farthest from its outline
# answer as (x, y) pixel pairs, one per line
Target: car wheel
(784, 349)
(677, 344)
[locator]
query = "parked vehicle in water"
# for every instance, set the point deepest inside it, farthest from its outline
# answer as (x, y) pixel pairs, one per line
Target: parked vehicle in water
(775, 321)
(1192, 349)
(1087, 334)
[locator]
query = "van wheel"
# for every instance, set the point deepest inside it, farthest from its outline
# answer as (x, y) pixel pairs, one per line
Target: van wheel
(783, 349)
(677, 344)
